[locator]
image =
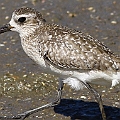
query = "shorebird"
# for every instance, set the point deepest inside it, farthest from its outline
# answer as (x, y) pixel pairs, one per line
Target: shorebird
(76, 58)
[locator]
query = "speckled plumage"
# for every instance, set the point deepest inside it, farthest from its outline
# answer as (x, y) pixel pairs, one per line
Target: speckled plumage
(72, 49)
(64, 51)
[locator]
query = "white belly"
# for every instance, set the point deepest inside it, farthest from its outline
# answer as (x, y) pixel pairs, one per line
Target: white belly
(94, 77)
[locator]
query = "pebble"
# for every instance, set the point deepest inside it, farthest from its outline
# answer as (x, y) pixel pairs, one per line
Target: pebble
(114, 22)
(83, 97)
(103, 91)
(71, 14)
(24, 76)
(91, 9)
(1, 45)
(7, 48)
(117, 103)
(7, 17)
(3, 8)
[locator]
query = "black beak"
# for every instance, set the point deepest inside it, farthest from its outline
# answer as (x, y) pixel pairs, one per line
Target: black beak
(5, 28)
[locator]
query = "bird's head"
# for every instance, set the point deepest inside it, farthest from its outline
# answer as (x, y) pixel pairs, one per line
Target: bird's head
(24, 20)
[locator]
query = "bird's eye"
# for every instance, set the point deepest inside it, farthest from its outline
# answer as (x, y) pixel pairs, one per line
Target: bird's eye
(22, 19)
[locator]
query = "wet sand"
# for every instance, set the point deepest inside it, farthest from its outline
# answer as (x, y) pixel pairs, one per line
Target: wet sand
(23, 84)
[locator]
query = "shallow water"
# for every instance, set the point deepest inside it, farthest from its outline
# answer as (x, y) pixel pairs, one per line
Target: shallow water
(23, 85)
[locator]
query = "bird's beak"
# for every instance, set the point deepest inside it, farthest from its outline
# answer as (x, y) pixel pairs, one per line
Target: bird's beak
(5, 28)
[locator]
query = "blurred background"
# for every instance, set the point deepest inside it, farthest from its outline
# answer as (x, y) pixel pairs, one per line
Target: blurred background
(23, 84)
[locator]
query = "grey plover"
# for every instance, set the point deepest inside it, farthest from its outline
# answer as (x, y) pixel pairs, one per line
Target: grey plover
(76, 58)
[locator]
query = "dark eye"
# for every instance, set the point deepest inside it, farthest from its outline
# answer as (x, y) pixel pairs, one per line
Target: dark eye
(22, 19)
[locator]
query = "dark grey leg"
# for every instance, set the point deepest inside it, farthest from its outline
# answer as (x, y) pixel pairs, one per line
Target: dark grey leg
(29, 112)
(98, 98)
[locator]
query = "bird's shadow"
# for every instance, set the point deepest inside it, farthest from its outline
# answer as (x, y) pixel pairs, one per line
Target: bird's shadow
(81, 110)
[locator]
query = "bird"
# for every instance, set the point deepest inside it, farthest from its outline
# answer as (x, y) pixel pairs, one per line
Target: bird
(76, 58)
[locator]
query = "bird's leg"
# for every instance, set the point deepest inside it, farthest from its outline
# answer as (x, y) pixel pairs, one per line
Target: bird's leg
(98, 98)
(29, 112)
